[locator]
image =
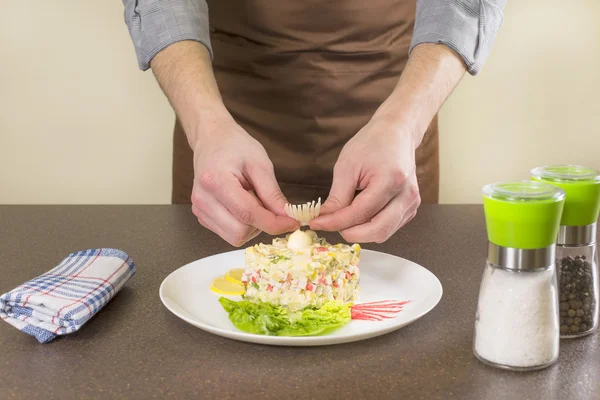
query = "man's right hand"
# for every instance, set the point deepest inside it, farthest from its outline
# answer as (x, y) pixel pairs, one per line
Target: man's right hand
(235, 193)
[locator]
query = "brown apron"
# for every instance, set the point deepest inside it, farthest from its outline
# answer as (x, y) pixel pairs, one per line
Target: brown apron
(302, 77)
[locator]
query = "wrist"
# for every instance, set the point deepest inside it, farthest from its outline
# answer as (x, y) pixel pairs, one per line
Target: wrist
(402, 120)
(396, 130)
(206, 123)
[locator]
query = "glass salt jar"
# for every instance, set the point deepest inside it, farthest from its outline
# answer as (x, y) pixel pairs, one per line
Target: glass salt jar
(517, 319)
(576, 253)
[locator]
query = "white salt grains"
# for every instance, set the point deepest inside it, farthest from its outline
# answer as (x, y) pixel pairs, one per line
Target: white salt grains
(517, 318)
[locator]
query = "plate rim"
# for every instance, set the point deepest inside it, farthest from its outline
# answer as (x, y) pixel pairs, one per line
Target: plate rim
(297, 341)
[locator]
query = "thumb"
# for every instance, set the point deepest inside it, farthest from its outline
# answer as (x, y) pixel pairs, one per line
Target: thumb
(262, 180)
(340, 196)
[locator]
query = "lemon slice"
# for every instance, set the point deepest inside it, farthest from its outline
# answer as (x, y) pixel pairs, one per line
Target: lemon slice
(223, 286)
(235, 275)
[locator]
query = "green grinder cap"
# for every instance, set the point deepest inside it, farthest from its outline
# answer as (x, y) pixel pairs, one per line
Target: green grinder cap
(582, 187)
(523, 214)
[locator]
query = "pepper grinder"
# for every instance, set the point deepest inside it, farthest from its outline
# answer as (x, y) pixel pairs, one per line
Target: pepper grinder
(576, 255)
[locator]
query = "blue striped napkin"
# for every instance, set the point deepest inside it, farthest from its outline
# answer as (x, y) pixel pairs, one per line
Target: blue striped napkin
(63, 299)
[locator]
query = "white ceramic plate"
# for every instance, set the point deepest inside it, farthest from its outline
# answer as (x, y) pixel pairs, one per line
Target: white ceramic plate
(186, 293)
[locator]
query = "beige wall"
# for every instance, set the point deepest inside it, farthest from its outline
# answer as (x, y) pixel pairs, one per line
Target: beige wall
(80, 124)
(536, 102)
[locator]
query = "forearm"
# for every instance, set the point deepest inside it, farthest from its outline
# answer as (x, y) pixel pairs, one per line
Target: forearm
(184, 73)
(172, 37)
(449, 38)
(431, 74)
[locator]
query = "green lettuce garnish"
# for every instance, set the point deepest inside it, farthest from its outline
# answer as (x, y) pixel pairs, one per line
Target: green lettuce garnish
(267, 319)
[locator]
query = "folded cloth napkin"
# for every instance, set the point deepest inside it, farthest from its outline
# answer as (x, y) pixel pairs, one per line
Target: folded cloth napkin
(63, 299)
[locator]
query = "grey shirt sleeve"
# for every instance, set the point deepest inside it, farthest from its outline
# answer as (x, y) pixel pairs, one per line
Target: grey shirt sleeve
(155, 24)
(469, 27)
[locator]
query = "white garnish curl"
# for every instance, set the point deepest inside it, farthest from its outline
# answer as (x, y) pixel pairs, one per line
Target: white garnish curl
(303, 213)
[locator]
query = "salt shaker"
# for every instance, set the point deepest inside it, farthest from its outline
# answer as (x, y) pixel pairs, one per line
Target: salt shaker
(576, 255)
(517, 319)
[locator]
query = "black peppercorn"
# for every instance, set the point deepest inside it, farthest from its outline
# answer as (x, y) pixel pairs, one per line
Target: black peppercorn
(586, 307)
(573, 304)
(577, 294)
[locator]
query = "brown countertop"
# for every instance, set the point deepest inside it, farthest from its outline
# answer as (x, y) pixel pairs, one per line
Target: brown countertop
(135, 348)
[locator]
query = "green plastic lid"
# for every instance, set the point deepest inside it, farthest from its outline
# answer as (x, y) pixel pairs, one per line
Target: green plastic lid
(582, 186)
(522, 214)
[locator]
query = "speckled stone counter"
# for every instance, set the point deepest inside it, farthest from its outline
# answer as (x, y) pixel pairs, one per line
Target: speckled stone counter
(135, 348)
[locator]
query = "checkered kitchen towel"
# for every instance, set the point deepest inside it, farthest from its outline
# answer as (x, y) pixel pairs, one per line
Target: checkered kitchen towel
(63, 299)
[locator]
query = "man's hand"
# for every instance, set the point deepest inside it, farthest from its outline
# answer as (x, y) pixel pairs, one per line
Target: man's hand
(235, 193)
(380, 159)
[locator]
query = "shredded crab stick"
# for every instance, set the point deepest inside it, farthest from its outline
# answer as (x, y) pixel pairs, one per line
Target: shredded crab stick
(378, 310)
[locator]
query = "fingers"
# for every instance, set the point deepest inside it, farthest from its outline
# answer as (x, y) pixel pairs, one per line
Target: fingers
(262, 179)
(342, 190)
(244, 206)
(218, 213)
(397, 213)
(236, 234)
(408, 218)
(364, 207)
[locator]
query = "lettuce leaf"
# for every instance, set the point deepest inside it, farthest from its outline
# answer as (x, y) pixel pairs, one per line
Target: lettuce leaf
(267, 319)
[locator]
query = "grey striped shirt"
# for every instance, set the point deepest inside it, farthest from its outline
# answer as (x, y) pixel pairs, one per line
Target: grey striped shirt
(467, 26)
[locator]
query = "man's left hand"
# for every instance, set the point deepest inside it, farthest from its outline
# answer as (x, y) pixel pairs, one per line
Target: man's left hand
(380, 162)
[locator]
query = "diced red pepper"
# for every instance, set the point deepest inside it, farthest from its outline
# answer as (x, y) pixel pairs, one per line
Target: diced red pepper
(254, 279)
(269, 288)
(335, 285)
(348, 275)
(321, 249)
(309, 286)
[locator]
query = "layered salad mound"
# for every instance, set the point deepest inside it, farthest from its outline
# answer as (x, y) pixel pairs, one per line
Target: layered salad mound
(301, 271)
